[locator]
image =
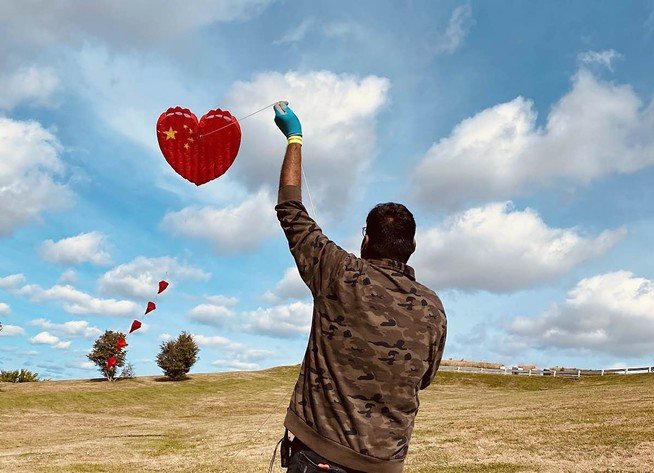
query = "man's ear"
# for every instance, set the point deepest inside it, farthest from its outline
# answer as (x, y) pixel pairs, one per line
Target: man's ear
(414, 245)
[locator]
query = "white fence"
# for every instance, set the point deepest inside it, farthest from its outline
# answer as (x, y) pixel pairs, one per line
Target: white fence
(547, 372)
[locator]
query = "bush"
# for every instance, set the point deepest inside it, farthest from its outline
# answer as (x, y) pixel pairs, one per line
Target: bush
(19, 376)
(178, 356)
(103, 349)
(128, 371)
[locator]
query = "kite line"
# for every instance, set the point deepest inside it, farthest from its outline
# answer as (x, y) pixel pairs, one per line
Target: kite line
(306, 181)
(136, 324)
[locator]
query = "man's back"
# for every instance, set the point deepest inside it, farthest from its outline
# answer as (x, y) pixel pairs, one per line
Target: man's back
(377, 337)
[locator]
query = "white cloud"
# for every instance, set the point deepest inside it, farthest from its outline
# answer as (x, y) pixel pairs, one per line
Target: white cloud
(296, 34)
(458, 27)
(11, 331)
(235, 365)
(231, 229)
(46, 338)
(12, 281)
(118, 22)
(499, 249)
(283, 321)
(165, 337)
(31, 85)
(290, 286)
(73, 328)
(215, 342)
(29, 169)
(604, 58)
(610, 313)
(211, 314)
(4, 309)
(83, 248)
(78, 302)
(84, 365)
(140, 277)
(338, 114)
(596, 129)
(68, 277)
(223, 300)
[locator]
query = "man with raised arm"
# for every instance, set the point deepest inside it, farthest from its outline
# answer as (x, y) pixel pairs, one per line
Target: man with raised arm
(377, 335)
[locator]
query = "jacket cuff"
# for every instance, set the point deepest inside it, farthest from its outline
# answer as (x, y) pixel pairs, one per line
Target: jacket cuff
(287, 193)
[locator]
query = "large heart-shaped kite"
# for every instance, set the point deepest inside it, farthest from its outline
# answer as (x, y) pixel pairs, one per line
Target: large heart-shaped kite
(199, 151)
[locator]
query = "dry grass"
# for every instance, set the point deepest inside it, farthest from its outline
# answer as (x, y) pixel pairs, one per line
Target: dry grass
(471, 364)
(467, 423)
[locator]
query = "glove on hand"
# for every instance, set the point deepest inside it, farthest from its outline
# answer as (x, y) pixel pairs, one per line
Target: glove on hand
(288, 122)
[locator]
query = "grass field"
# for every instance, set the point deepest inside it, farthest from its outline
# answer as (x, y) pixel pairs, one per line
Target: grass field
(466, 423)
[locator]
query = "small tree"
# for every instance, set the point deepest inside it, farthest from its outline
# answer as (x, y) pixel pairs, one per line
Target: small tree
(178, 356)
(103, 349)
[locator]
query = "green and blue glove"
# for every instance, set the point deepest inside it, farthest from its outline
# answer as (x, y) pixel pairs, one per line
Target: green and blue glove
(288, 122)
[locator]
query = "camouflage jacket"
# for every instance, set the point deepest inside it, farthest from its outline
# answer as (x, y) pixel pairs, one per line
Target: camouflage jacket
(377, 338)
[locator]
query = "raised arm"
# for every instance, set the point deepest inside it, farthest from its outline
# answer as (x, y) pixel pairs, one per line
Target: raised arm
(317, 257)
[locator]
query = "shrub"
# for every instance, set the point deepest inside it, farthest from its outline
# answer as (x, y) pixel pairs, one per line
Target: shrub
(128, 371)
(19, 376)
(178, 356)
(103, 349)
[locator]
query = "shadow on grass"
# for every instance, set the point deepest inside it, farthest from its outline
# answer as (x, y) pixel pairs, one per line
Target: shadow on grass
(164, 379)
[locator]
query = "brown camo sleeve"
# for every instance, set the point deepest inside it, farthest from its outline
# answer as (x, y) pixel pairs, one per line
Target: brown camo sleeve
(435, 357)
(316, 256)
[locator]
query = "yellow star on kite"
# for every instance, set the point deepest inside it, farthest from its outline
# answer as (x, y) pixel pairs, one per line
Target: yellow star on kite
(170, 134)
(186, 146)
(191, 140)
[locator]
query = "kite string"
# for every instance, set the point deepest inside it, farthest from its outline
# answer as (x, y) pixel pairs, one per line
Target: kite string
(239, 119)
(306, 181)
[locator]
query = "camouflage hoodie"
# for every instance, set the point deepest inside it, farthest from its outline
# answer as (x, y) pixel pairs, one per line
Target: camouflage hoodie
(377, 338)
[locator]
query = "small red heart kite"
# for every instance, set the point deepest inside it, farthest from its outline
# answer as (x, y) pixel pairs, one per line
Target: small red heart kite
(199, 151)
(151, 306)
(162, 286)
(120, 343)
(135, 326)
(111, 362)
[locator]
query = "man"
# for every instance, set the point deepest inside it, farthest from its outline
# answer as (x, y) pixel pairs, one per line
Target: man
(377, 335)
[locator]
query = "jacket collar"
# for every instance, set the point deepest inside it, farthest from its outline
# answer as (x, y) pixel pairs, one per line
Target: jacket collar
(394, 266)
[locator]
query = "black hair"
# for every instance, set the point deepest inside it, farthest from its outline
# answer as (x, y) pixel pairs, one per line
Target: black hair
(391, 229)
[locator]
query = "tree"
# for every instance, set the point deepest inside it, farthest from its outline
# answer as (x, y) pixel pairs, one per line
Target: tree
(178, 356)
(103, 349)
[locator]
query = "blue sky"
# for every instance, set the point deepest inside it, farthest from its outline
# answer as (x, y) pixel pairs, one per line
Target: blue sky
(519, 134)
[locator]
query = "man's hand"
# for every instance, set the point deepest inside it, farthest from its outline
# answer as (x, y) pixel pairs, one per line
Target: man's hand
(288, 122)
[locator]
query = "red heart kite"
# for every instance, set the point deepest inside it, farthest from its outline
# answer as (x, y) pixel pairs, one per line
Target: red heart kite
(199, 151)
(162, 286)
(151, 306)
(121, 343)
(111, 362)
(135, 326)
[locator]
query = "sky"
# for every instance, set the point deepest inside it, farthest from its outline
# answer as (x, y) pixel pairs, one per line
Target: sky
(520, 135)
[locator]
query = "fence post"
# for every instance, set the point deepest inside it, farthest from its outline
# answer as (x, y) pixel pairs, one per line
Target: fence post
(458, 368)
(649, 369)
(481, 369)
(602, 371)
(578, 373)
(529, 372)
(626, 371)
(554, 373)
